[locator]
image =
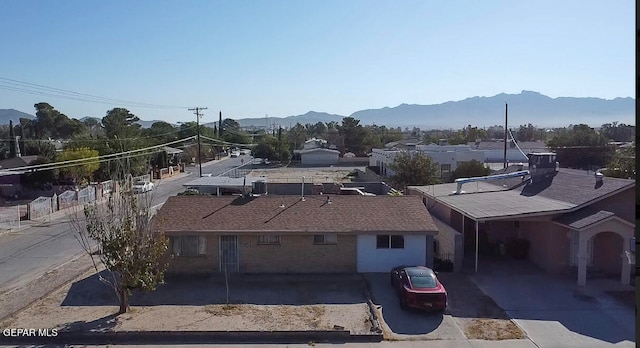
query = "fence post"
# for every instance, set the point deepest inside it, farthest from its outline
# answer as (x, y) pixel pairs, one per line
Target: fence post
(19, 216)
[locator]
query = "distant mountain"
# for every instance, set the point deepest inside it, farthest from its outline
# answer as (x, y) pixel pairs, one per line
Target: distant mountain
(523, 108)
(526, 107)
(13, 115)
(310, 117)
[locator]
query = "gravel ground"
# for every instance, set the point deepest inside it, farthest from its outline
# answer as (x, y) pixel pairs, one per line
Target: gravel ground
(88, 304)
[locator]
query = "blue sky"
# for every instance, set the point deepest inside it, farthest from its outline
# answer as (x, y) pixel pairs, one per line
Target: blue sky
(284, 58)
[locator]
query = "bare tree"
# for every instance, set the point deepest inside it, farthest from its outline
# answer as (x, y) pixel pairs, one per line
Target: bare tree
(117, 235)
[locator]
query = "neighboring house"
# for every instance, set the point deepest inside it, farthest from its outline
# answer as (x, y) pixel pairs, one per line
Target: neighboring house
(494, 150)
(573, 221)
(404, 144)
(17, 162)
(314, 143)
(288, 234)
(318, 156)
(448, 157)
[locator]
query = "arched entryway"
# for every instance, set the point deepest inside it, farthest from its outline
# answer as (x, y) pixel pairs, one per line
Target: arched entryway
(606, 256)
(608, 234)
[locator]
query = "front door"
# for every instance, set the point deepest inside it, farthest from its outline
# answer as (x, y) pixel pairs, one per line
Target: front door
(229, 253)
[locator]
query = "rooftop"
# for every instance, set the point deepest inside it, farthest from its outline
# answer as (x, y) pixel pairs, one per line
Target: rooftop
(505, 198)
(345, 214)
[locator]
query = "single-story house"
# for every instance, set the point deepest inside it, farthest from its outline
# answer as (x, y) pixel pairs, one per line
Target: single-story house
(570, 220)
(318, 156)
(295, 234)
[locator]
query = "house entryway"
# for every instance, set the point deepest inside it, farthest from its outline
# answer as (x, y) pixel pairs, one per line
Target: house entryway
(229, 253)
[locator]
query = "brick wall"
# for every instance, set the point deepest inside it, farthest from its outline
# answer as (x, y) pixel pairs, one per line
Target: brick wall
(297, 254)
(294, 254)
(200, 264)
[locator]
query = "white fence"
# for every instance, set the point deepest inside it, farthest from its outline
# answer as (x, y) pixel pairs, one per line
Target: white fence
(10, 218)
(87, 195)
(41, 207)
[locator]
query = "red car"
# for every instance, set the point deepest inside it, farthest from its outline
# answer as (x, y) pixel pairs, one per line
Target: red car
(418, 287)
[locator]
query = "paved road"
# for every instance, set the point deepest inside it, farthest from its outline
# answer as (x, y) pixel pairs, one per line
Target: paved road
(27, 254)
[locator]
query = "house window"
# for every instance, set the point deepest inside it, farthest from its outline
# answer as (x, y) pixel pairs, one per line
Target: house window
(188, 245)
(269, 239)
(385, 241)
(327, 238)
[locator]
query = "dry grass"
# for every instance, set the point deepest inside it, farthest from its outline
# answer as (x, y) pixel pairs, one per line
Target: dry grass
(492, 329)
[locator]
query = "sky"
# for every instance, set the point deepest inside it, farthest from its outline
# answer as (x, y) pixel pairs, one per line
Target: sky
(157, 58)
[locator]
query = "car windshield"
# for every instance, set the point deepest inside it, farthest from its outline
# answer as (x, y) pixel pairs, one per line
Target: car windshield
(423, 281)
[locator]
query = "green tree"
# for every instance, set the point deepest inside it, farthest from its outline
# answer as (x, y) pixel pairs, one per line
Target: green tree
(41, 148)
(580, 146)
(354, 135)
(618, 132)
(470, 169)
(82, 169)
(413, 169)
(126, 246)
(121, 123)
(623, 164)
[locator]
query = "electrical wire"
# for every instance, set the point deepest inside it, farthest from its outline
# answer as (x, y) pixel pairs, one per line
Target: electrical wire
(36, 89)
(516, 144)
(89, 159)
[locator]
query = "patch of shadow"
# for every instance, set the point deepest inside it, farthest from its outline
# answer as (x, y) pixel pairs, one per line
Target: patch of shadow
(104, 324)
(627, 298)
(583, 297)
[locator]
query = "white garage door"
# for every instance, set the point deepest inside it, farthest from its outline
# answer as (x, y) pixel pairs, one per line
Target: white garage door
(381, 258)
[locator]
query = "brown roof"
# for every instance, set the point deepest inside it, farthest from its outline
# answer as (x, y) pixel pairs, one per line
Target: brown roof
(265, 213)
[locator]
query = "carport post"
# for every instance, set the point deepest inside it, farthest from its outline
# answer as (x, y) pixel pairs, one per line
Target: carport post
(476, 246)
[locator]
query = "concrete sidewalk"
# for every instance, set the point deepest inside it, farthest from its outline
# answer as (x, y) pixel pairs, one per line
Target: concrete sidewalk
(554, 311)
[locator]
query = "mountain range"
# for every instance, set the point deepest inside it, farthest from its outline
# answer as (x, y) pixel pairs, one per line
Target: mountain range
(523, 108)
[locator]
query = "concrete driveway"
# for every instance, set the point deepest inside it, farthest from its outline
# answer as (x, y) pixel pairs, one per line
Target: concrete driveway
(405, 324)
(554, 311)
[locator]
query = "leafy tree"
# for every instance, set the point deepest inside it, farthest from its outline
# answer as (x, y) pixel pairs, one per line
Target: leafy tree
(528, 133)
(618, 132)
(581, 147)
(131, 253)
(78, 171)
(265, 150)
(42, 148)
(623, 164)
(161, 132)
(470, 169)
(413, 169)
(297, 136)
(353, 134)
(12, 140)
(121, 123)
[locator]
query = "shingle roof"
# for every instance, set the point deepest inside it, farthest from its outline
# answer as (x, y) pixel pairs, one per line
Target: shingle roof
(583, 218)
(344, 214)
(565, 191)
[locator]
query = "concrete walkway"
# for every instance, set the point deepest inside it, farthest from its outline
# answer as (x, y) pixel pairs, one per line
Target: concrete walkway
(554, 311)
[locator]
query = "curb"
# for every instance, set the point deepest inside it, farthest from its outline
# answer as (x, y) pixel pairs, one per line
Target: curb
(185, 337)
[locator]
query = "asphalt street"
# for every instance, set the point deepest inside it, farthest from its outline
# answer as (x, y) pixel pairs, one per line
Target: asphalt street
(27, 254)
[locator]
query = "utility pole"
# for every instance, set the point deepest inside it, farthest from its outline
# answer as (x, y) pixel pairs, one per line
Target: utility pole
(196, 111)
(506, 109)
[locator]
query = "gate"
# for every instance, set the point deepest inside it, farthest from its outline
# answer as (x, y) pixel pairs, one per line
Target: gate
(229, 253)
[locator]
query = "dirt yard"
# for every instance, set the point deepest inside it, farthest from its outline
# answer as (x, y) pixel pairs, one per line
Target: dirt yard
(311, 175)
(88, 304)
(477, 314)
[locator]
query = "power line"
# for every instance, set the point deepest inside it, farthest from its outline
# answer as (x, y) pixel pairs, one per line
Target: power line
(36, 89)
(82, 161)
